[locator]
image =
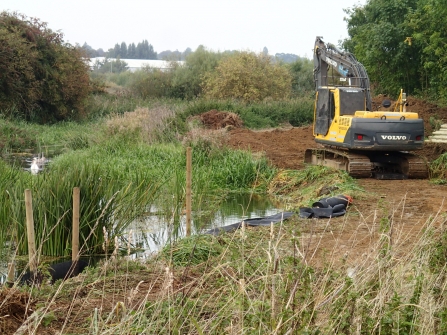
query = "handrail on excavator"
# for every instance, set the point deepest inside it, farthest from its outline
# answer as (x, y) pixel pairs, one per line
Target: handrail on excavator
(401, 102)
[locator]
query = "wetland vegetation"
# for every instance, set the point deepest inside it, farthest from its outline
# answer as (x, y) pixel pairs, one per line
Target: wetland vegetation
(122, 139)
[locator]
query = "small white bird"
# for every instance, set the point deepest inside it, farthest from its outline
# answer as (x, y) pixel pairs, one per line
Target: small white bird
(34, 167)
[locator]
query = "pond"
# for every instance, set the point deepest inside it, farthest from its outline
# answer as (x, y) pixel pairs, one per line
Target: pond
(30, 160)
(152, 233)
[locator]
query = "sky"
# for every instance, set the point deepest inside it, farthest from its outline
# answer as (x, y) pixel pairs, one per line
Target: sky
(282, 26)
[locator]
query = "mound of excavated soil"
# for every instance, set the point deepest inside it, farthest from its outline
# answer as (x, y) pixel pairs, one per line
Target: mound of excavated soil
(218, 120)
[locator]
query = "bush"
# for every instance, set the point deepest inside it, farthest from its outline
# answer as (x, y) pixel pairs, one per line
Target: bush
(43, 78)
(248, 77)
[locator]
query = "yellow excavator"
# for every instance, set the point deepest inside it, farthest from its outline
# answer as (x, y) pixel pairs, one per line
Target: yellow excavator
(354, 137)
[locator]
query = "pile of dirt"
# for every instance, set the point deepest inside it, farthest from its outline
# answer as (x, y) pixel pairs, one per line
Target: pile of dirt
(16, 306)
(217, 120)
(284, 147)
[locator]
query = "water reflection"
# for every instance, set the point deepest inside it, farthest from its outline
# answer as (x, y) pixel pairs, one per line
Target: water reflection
(28, 161)
(151, 233)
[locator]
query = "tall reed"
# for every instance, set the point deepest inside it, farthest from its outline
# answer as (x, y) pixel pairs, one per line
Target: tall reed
(119, 182)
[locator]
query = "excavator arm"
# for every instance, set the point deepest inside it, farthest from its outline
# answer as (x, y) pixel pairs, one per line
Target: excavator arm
(326, 55)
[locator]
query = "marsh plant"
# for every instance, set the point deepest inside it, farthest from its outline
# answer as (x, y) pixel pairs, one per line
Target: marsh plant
(143, 123)
(121, 177)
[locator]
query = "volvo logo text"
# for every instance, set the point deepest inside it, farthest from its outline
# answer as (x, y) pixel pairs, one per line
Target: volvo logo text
(394, 137)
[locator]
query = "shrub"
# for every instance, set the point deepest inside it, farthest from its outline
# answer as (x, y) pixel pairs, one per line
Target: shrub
(43, 78)
(248, 77)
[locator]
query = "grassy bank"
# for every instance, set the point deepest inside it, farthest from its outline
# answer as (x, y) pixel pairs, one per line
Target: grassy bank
(125, 166)
(264, 280)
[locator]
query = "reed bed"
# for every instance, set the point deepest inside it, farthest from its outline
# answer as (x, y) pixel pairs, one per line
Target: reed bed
(120, 181)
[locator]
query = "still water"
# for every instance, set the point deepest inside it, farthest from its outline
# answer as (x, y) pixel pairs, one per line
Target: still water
(152, 233)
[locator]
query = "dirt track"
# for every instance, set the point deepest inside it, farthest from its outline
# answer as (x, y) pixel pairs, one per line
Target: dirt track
(408, 204)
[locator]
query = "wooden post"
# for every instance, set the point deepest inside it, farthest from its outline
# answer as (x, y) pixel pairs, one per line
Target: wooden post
(75, 231)
(188, 191)
(10, 278)
(30, 231)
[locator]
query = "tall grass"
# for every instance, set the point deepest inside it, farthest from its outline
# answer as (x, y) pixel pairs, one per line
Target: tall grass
(105, 202)
(280, 279)
(438, 169)
(120, 180)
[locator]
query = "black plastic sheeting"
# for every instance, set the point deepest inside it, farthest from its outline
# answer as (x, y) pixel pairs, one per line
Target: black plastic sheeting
(327, 207)
(266, 221)
(57, 271)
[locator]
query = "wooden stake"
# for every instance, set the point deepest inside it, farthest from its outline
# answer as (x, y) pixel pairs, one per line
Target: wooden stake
(30, 231)
(10, 278)
(75, 232)
(188, 191)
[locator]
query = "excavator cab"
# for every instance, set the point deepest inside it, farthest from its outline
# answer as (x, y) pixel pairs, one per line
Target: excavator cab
(331, 103)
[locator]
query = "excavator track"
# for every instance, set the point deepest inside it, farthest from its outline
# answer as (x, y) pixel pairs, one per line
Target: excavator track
(379, 165)
(357, 165)
(415, 166)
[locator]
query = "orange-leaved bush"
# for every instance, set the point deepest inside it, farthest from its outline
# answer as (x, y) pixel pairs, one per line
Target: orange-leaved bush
(248, 77)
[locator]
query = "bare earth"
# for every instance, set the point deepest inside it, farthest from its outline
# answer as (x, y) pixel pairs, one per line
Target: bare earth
(407, 204)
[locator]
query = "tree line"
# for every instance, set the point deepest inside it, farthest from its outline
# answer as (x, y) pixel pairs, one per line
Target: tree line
(403, 44)
(144, 50)
(141, 50)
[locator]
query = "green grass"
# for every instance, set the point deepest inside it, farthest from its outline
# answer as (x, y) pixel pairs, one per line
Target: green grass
(263, 280)
(120, 179)
(301, 188)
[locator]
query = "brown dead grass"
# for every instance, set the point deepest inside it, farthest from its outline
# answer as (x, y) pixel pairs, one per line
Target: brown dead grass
(15, 308)
(142, 122)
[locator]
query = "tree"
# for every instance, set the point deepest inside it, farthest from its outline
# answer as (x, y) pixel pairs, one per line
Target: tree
(187, 79)
(144, 50)
(123, 50)
(429, 37)
(43, 77)
(89, 50)
(302, 76)
(116, 51)
(249, 77)
(110, 66)
(131, 51)
(377, 33)
(186, 53)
